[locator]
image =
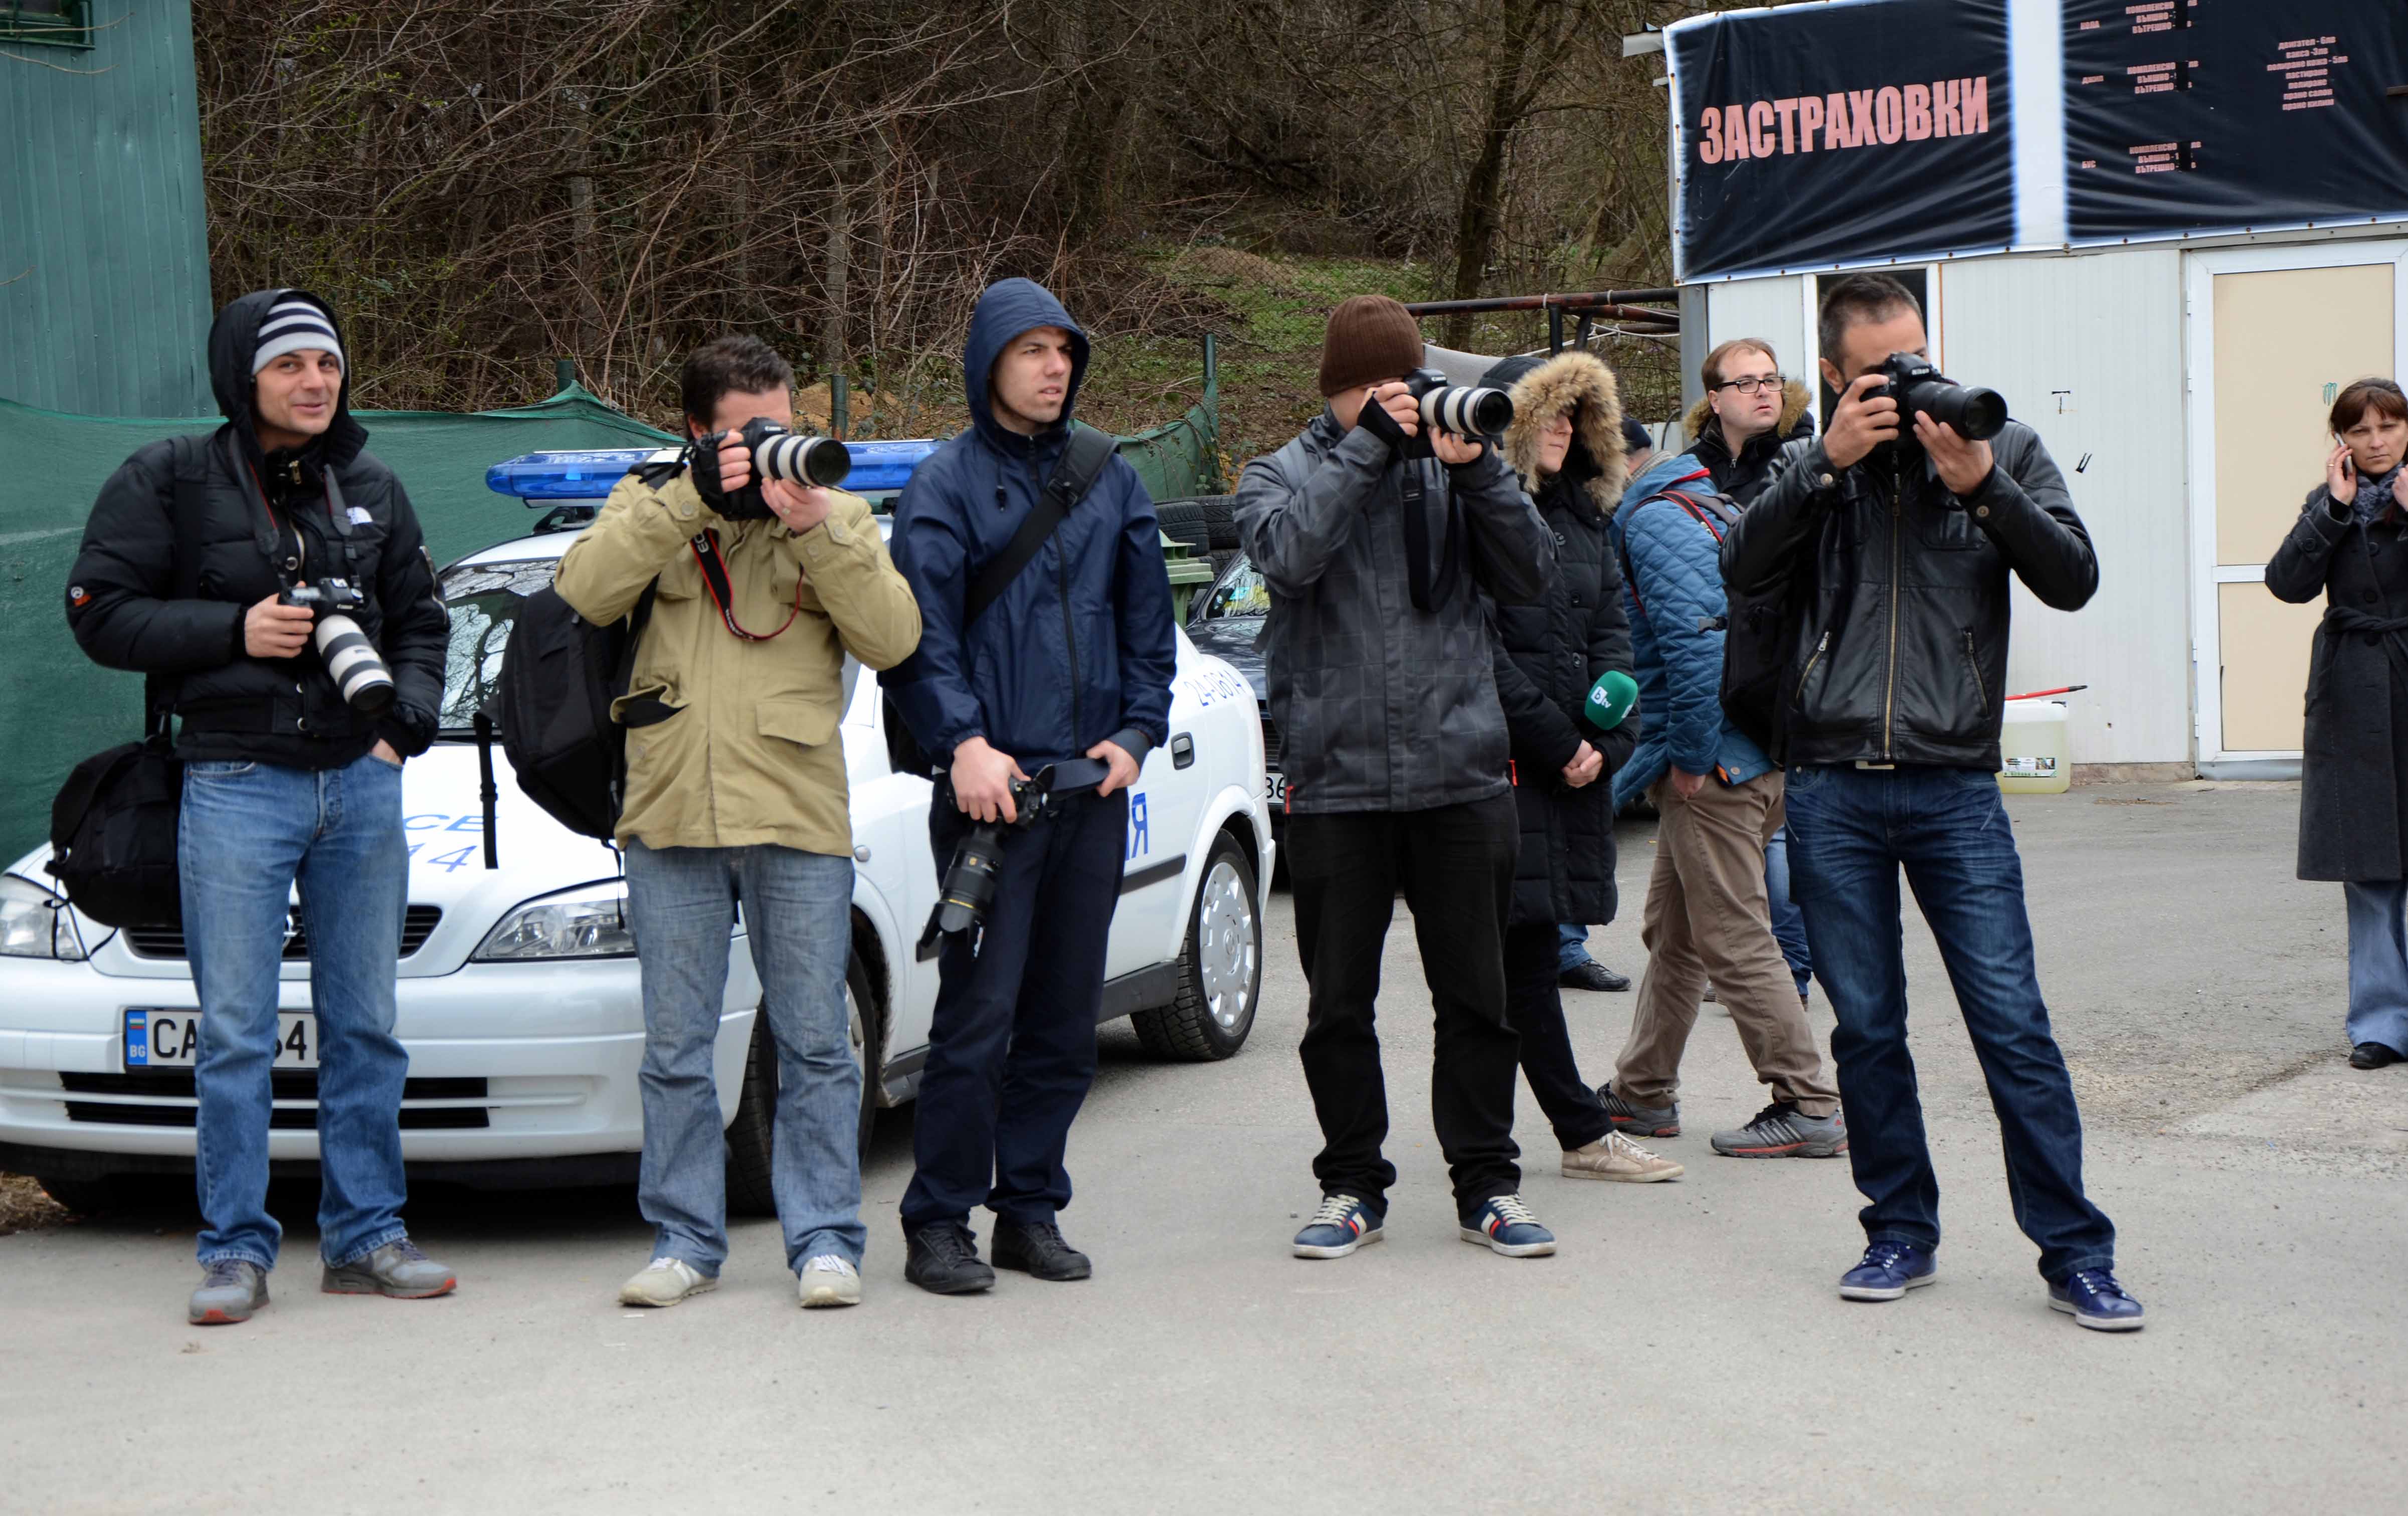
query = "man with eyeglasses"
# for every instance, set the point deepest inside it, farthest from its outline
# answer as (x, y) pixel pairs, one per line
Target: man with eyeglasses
(1749, 414)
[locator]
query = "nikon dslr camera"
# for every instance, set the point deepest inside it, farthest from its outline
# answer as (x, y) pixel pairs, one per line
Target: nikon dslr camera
(1978, 415)
(778, 453)
(350, 657)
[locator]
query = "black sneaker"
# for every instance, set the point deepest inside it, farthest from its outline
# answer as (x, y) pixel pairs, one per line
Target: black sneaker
(2372, 1055)
(942, 1259)
(1037, 1249)
(1593, 975)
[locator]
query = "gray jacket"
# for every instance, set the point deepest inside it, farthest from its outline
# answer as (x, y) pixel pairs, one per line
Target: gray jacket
(1381, 706)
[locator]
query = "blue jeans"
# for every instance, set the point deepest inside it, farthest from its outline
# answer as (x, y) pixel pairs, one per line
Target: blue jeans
(1788, 923)
(2378, 964)
(1850, 830)
(798, 917)
(1571, 947)
(250, 832)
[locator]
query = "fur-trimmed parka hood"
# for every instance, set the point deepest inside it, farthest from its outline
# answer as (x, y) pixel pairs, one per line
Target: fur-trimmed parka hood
(1580, 385)
(1792, 406)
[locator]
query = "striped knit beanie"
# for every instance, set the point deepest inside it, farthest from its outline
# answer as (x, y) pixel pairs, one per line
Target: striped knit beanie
(296, 321)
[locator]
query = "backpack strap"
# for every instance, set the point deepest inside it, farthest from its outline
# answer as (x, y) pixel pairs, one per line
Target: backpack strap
(647, 712)
(1075, 473)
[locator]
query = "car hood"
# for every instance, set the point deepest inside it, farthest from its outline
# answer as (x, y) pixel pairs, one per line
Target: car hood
(1231, 639)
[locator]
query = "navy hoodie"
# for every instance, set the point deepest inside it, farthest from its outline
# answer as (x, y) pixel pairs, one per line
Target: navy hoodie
(1080, 647)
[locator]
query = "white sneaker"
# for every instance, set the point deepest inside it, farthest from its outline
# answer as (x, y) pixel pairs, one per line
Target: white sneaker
(665, 1281)
(826, 1280)
(1616, 1157)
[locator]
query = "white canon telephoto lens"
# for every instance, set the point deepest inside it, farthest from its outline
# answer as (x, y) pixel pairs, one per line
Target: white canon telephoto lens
(358, 672)
(798, 459)
(1465, 411)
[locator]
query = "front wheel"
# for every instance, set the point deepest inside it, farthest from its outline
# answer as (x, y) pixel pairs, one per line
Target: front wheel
(1220, 967)
(750, 1135)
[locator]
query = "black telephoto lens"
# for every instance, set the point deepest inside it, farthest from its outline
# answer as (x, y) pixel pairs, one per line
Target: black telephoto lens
(969, 883)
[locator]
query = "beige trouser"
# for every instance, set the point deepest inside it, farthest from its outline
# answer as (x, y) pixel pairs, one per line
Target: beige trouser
(1707, 918)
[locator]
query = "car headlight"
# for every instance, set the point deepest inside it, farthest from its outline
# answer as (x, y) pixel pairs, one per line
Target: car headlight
(35, 923)
(589, 922)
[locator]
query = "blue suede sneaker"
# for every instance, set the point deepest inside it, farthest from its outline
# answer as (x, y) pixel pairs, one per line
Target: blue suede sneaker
(1504, 1224)
(2093, 1298)
(1342, 1225)
(1889, 1270)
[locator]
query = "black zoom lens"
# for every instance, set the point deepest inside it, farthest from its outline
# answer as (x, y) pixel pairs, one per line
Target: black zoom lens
(818, 461)
(1978, 415)
(969, 883)
(1465, 411)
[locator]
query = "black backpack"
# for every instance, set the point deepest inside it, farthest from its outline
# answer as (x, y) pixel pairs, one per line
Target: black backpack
(1757, 633)
(560, 675)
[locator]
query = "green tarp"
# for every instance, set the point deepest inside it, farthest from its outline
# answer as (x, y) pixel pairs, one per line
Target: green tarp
(57, 707)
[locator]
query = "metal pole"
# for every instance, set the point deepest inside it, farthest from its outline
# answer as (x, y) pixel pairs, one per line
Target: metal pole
(564, 374)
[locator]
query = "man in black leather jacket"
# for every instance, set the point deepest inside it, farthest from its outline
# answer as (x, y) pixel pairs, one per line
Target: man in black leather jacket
(187, 552)
(1897, 549)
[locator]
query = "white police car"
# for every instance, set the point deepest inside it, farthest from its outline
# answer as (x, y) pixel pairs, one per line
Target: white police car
(518, 999)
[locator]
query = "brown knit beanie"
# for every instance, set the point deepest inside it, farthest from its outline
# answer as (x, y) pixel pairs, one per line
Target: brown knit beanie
(1370, 338)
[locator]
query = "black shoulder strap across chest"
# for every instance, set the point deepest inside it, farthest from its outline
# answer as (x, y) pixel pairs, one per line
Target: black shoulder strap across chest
(1075, 473)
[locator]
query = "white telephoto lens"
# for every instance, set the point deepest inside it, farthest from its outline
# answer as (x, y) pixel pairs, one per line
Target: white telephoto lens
(352, 660)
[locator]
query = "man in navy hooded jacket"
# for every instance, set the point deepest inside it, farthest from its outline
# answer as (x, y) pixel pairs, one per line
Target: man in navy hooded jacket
(1073, 660)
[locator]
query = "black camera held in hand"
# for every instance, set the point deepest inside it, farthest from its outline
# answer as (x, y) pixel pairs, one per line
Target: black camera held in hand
(971, 878)
(778, 453)
(1460, 409)
(1978, 415)
(351, 659)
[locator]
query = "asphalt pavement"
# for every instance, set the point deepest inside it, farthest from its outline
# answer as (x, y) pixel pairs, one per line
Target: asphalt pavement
(1683, 1352)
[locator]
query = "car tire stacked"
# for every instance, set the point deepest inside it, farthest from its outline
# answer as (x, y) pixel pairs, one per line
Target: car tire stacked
(1207, 523)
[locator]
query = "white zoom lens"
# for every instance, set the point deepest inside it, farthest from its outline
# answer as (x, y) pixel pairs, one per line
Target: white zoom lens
(1464, 411)
(810, 460)
(351, 659)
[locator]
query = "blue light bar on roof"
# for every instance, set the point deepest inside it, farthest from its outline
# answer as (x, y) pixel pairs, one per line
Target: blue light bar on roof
(878, 467)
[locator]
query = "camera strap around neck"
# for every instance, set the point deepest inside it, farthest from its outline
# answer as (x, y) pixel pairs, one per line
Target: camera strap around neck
(715, 578)
(1428, 589)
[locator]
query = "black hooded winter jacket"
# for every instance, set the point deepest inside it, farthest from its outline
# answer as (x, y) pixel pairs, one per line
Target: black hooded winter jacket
(183, 540)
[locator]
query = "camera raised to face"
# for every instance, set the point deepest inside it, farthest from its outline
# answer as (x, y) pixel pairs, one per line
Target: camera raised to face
(1460, 410)
(1977, 415)
(351, 659)
(778, 453)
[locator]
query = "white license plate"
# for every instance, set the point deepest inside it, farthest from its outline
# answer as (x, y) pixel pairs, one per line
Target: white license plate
(172, 1039)
(1275, 790)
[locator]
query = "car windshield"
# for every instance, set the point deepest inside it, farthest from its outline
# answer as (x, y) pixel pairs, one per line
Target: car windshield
(1241, 592)
(484, 599)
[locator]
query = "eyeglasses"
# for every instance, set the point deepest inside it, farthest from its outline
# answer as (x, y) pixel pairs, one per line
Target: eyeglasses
(1751, 384)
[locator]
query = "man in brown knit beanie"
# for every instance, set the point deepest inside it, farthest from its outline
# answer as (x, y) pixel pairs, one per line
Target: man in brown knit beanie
(1378, 537)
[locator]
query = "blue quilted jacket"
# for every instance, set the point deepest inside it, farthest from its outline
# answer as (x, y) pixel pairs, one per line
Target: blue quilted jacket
(1673, 594)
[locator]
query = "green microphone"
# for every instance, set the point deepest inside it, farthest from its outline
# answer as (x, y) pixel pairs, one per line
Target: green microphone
(1610, 699)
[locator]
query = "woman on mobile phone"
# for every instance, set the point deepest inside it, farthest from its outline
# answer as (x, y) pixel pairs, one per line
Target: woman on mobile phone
(2351, 546)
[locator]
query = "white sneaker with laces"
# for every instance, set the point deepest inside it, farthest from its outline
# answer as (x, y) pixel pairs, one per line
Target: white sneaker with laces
(826, 1280)
(665, 1281)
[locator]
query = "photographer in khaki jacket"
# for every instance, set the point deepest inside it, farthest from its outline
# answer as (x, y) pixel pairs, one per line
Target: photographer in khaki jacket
(740, 795)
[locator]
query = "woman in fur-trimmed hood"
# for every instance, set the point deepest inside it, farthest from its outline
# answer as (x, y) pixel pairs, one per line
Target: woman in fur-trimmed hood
(1566, 445)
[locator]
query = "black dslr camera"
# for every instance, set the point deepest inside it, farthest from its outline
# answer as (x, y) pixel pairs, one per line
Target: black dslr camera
(1461, 410)
(971, 878)
(1978, 415)
(351, 659)
(778, 453)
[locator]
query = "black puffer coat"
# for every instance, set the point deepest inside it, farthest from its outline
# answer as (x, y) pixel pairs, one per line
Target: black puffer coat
(184, 539)
(2354, 781)
(1549, 655)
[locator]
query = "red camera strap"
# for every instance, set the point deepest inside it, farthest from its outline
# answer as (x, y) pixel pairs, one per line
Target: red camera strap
(715, 578)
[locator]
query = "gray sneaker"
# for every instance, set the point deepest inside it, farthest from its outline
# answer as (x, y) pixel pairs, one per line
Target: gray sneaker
(231, 1289)
(1641, 1120)
(397, 1269)
(1780, 1130)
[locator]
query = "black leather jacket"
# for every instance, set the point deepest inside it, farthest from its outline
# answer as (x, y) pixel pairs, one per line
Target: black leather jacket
(1899, 650)
(191, 532)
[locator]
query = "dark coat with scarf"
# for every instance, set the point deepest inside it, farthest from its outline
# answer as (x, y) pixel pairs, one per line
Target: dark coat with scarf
(2354, 780)
(1549, 653)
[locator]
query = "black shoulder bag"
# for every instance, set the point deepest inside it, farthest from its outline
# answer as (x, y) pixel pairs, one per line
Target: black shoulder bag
(1081, 466)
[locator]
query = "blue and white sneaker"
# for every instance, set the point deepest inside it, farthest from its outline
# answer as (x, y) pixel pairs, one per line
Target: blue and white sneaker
(1342, 1225)
(2093, 1298)
(1889, 1270)
(1503, 1223)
